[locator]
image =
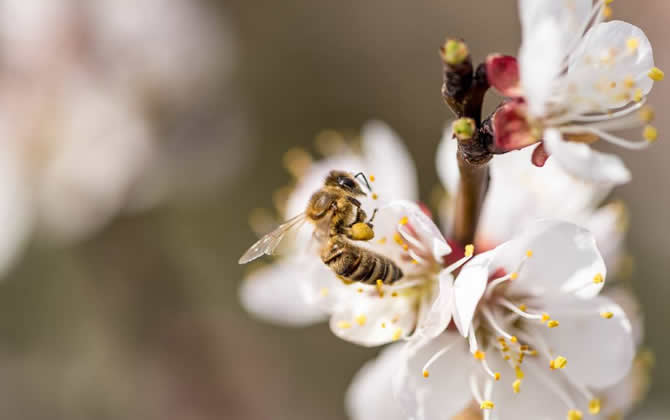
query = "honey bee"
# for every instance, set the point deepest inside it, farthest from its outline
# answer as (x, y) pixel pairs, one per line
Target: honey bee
(339, 219)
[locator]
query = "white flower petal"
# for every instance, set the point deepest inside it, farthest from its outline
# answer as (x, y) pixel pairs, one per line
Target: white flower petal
(565, 260)
(469, 289)
(585, 162)
(627, 301)
(439, 316)
(370, 320)
(272, 294)
(370, 395)
(571, 14)
(446, 161)
(588, 68)
(445, 392)
(540, 60)
(387, 158)
(599, 351)
(608, 225)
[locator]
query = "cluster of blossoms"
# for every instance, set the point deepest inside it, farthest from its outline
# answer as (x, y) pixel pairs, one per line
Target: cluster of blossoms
(520, 322)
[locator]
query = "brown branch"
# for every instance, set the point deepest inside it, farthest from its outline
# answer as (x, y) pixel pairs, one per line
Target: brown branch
(464, 90)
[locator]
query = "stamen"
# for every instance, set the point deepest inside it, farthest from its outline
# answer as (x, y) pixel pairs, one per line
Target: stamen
(454, 266)
(632, 44)
(486, 405)
(434, 358)
(403, 221)
(475, 389)
(491, 320)
(598, 278)
(324, 291)
(469, 250)
(372, 178)
(552, 323)
(397, 334)
(416, 259)
(621, 142)
(558, 363)
(344, 325)
(380, 286)
(521, 310)
(516, 386)
(575, 415)
(656, 74)
(607, 315)
(409, 237)
(361, 320)
(594, 406)
(375, 196)
(650, 133)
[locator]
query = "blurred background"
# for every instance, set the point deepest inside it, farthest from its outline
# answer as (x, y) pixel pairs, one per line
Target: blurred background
(139, 138)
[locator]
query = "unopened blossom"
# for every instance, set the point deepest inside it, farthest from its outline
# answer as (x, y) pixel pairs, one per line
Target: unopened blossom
(532, 337)
(276, 292)
(577, 80)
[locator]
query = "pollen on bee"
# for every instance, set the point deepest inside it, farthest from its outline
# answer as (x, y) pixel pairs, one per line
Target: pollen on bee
(552, 323)
(516, 386)
(607, 315)
(594, 406)
(575, 415)
(361, 320)
(486, 405)
(397, 334)
(469, 250)
(404, 220)
(598, 278)
(479, 355)
(650, 133)
(344, 325)
(656, 74)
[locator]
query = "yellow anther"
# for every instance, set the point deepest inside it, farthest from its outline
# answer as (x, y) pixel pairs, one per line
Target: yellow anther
(361, 320)
(425, 374)
(523, 307)
(486, 405)
(629, 82)
(533, 352)
(656, 74)
(558, 363)
(516, 386)
(612, 85)
(324, 291)
(607, 315)
(395, 319)
(506, 357)
(650, 133)
(519, 372)
(647, 114)
(524, 347)
(598, 278)
(529, 253)
(414, 261)
(397, 238)
(553, 323)
(609, 1)
(362, 232)
(479, 355)
(632, 43)
(383, 324)
(607, 12)
(545, 317)
(469, 250)
(360, 290)
(514, 275)
(513, 339)
(372, 178)
(394, 294)
(575, 415)
(404, 220)
(521, 356)
(382, 240)
(397, 334)
(594, 406)
(375, 196)
(496, 376)
(405, 247)
(344, 325)
(638, 95)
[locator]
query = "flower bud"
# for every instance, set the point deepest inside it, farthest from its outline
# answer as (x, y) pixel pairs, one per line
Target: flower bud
(464, 128)
(454, 52)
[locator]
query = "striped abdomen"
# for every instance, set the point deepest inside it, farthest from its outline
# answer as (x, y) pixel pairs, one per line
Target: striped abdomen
(358, 264)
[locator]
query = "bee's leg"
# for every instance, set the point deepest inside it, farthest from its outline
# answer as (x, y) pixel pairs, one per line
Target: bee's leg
(374, 213)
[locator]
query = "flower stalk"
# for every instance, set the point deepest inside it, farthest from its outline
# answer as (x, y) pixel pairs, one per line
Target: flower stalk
(463, 90)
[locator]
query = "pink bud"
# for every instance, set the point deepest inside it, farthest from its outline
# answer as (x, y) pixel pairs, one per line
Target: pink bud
(540, 156)
(511, 128)
(502, 72)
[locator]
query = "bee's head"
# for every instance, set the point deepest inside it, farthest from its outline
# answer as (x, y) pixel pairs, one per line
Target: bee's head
(345, 181)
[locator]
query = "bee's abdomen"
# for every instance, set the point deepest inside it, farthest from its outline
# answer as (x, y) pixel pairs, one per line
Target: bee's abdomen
(360, 265)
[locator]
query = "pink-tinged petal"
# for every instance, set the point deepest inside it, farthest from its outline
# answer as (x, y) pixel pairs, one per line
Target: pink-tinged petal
(540, 156)
(273, 294)
(502, 72)
(469, 289)
(370, 395)
(600, 350)
(445, 392)
(565, 260)
(439, 316)
(511, 127)
(584, 162)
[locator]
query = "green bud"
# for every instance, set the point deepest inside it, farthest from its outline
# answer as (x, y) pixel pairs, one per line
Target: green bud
(454, 52)
(464, 128)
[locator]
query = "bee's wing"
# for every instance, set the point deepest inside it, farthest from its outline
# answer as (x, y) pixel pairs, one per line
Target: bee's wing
(268, 243)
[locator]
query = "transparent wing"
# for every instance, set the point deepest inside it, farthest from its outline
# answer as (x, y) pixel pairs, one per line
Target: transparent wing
(268, 243)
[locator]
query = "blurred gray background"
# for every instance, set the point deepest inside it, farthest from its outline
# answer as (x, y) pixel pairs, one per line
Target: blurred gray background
(142, 320)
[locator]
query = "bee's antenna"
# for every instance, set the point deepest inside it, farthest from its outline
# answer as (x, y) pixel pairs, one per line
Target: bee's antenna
(367, 184)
